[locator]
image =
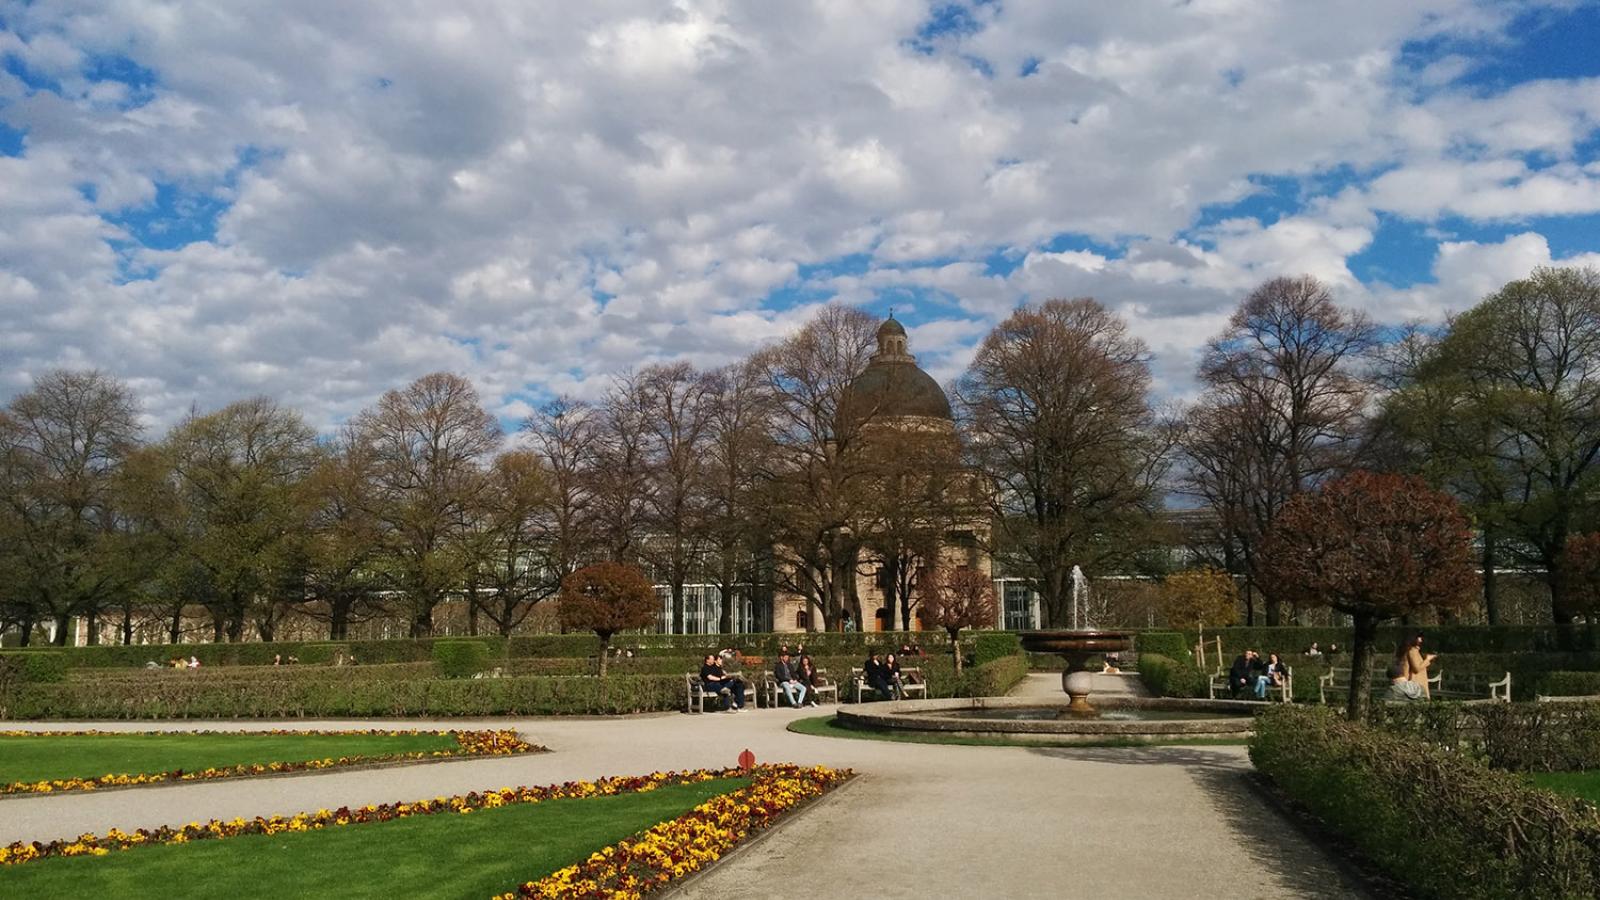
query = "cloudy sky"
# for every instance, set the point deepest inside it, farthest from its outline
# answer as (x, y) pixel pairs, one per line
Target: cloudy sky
(320, 200)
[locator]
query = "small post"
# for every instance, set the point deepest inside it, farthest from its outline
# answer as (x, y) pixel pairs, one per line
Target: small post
(747, 760)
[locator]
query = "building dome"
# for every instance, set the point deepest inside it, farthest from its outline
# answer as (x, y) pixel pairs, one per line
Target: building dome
(893, 386)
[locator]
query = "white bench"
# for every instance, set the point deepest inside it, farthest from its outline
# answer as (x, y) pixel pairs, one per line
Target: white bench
(1590, 698)
(825, 689)
(696, 694)
(911, 682)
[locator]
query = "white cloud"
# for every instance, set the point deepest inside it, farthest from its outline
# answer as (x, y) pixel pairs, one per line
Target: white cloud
(537, 194)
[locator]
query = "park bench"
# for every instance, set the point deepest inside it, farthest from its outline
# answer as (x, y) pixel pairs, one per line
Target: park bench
(1589, 698)
(911, 682)
(1337, 682)
(825, 689)
(1219, 685)
(696, 694)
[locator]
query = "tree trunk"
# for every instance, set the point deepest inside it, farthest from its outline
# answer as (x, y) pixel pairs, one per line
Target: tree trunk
(678, 625)
(62, 638)
(218, 628)
(1491, 593)
(338, 620)
(725, 615)
(175, 630)
(92, 632)
(605, 651)
(422, 623)
(1249, 604)
(236, 627)
(472, 613)
(955, 650)
(1366, 638)
(1274, 612)
(127, 626)
(27, 631)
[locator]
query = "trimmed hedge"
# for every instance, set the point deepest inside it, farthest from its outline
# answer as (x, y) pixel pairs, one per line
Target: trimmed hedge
(1292, 640)
(460, 659)
(988, 646)
(1171, 644)
(1445, 825)
(39, 667)
(1516, 737)
(994, 678)
(1568, 684)
(1167, 677)
(254, 698)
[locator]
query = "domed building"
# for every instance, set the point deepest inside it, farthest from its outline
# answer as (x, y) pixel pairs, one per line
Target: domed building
(898, 419)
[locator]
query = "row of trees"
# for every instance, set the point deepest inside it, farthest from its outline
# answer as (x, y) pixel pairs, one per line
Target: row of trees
(1498, 406)
(769, 474)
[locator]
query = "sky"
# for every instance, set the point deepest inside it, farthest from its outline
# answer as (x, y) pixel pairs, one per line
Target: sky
(322, 201)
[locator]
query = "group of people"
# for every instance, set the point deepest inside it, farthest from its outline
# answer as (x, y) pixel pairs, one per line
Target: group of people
(883, 675)
(1314, 650)
(796, 676)
(1251, 674)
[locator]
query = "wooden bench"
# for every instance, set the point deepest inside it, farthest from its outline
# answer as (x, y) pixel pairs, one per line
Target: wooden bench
(1219, 685)
(911, 682)
(825, 689)
(1337, 681)
(696, 695)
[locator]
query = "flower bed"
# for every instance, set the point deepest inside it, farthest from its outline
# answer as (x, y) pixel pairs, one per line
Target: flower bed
(669, 851)
(468, 743)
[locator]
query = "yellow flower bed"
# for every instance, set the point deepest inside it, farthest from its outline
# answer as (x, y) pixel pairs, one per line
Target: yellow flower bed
(671, 850)
(468, 743)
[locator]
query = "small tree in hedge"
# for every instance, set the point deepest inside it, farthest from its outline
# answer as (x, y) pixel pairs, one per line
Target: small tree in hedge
(1375, 547)
(1195, 598)
(606, 598)
(1580, 572)
(954, 599)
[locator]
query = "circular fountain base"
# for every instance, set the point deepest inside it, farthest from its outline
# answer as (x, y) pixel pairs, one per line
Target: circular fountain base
(1029, 719)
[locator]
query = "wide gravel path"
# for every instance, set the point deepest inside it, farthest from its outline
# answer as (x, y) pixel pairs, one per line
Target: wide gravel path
(921, 820)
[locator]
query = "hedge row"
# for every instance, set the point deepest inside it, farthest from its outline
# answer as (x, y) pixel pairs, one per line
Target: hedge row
(557, 646)
(202, 698)
(1168, 677)
(1292, 640)
(1568, 684)
(1517, 737)
(993, 678)
(988, 646)
(1445, 825)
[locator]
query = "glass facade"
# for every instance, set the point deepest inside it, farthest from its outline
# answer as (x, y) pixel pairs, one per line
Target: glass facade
(1019, 606)
(702, 610)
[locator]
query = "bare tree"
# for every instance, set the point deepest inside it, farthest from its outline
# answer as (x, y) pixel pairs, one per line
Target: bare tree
(620, 474)
(344, 547)
(1282, 410)
(815, 498)
(62, 532)
(738, 450)
(516, 569)
(241, 506)
(676, 409)
(1058, 417)
(428, 444)
(562, 434)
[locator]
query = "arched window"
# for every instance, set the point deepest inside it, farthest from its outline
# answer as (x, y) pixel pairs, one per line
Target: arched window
(802, 620)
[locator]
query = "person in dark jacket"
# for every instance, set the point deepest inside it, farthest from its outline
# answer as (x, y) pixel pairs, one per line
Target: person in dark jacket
(807, 673)
(787, 675)
(716, 681)
(1241, 675)
(877, 676)
(891, 669)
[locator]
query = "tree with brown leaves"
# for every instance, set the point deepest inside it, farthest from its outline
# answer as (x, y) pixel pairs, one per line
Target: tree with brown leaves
(1375, 547)
(606, 598)
(954, 599)
(1580, 573)
(1197, 598)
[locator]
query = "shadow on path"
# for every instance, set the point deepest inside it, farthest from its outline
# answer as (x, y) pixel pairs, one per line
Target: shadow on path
(1278, 842)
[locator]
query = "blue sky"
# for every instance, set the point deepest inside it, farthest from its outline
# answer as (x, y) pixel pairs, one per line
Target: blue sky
(322, 204)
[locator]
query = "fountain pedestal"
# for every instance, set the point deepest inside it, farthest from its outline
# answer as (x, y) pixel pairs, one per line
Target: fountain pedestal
(1076, 647)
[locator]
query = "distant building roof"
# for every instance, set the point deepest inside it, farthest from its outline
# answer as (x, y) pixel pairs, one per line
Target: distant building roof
(893, 386)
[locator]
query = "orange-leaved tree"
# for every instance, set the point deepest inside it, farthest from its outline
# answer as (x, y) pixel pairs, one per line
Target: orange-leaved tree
(1375, 547)
(1195, 598)
(954, 599)
(606, 598)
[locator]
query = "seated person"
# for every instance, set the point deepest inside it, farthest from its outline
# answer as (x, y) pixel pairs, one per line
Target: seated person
(891, 668)
(787, 675)
(877, 676)
(1240, 675)
(717, 681)
(1274, 674)
(807, 672)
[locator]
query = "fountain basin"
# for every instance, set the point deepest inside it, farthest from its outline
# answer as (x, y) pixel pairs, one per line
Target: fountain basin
(1029, 719)
(1076, 646)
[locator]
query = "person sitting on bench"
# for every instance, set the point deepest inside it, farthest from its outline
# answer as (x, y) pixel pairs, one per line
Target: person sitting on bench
(877, 675)
(716, 681)
(1241, 675)
(787, 675)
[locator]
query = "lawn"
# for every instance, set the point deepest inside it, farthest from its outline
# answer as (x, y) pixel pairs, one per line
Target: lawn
(828, 726)
(438, 856)
(31, 758)
(1576, 784)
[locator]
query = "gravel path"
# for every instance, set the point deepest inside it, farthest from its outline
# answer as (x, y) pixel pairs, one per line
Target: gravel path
(962, 821)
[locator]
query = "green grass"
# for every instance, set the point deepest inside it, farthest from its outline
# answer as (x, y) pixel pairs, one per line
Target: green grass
(1577, 784)
(828, 726)
(92, 755)
(439, 856)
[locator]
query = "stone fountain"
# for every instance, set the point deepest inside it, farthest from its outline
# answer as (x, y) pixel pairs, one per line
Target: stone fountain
(1076, 646)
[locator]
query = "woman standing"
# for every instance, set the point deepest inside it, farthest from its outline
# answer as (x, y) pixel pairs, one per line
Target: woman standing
(1408, 672)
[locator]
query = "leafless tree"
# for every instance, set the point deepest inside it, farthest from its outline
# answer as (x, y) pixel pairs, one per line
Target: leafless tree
(1059, 421)
(738, 449)
(516, 571)
(428, 442)
(1283, 409)
(676, 404)
(562, 434)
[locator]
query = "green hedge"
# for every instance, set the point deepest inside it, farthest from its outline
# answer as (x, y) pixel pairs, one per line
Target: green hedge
(1171, 644)
(1293, 640)
(1517, 737)
(994, 678)
(1445, 825)
(1568, 684)
(35, 667)
(203, 698)
(1167, 677)
(460, 659)
(988, 646)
